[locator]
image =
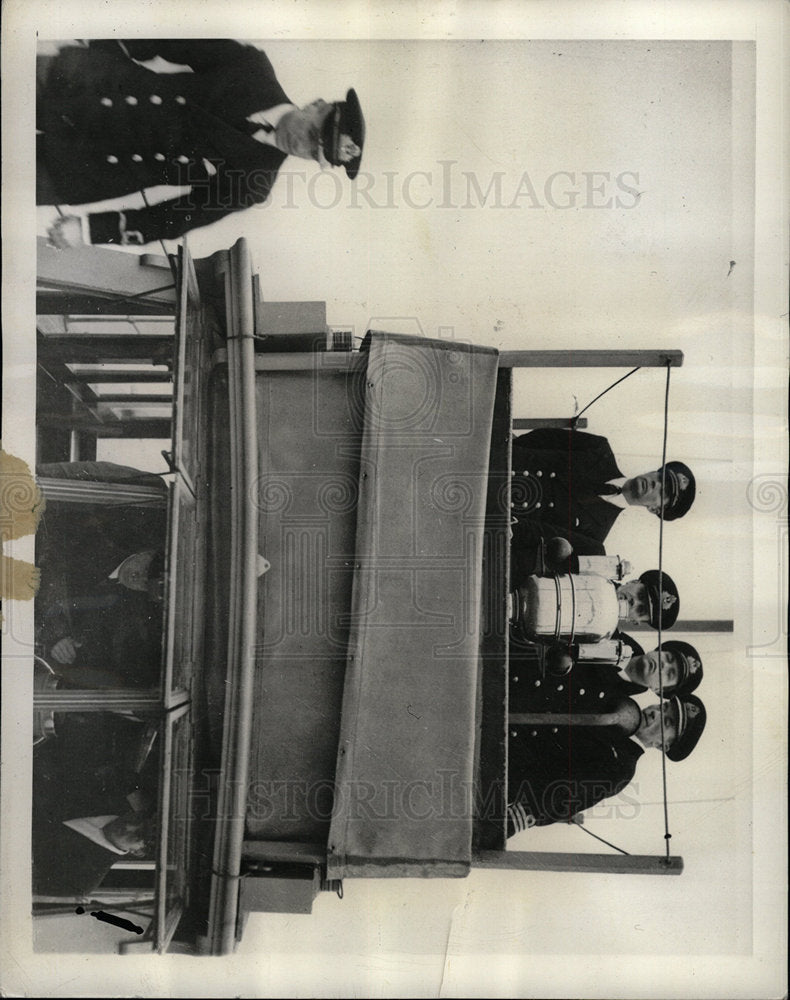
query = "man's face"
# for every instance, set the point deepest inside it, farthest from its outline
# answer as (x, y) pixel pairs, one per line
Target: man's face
(644, 669)
(133, 571)
(299, 130)
(644, 491)
(649, 731)
(634, 595)
(129, 832)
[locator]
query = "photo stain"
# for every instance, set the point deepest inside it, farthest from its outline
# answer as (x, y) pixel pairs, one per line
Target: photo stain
(110, 918)
(21, 506)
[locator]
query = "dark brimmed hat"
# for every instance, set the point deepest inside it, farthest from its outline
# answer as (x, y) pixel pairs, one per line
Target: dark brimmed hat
(689, 668)
(691, 722)
(345, 118)
(664, 605)
(681, 488)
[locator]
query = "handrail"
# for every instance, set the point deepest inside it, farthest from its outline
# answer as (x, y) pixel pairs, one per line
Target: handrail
(237, 729)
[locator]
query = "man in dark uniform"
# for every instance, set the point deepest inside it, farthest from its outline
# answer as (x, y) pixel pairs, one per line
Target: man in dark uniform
(567, 484)
(593, 687)
(109, 127)
(556, 771)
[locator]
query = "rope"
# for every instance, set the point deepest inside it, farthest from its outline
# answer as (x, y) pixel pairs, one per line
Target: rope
(608, 844)
(667, 834)
(575, 419)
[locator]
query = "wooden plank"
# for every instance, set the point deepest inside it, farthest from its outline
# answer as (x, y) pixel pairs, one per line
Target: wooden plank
(284, 852)
(104, 271)
(530, 423)
(590, 359)
(122, 375)
(554, 861)
(489, 830)
(686, 625)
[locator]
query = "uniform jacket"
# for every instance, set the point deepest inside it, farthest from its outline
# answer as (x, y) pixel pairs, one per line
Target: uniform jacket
(556, 772)
(556, 482)
(110, 127)
(589, 687)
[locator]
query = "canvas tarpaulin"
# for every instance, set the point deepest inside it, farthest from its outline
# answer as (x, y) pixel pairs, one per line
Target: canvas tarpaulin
(403, 793)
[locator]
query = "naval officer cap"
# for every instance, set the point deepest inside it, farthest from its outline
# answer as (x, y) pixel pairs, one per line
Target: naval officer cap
(681, 488)
(663, 601)
(345, 118)
(689, 665)
(691, 722)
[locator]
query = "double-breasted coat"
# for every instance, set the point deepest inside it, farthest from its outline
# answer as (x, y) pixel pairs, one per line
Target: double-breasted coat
(557, 479)
(557, 772)
(109, 127)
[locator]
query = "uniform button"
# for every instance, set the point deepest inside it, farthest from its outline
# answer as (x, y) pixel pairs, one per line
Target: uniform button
(576, 523)
(538, 504)
(181, 100)
(512, 504)
(512, 472)
(515, 680)
(554, 729)
(159, 156)
(581, 690)
(137, 158)
(560, 687)
(552, 475)
(534, 732)
(537, 684)
(539, 473)
(525, 505)
(600, 694)
(512, 732)
(155, 99)
(525, 473)
(112, 159)
(107, 102)
(131, 100)
(551, 504)
(182, 159)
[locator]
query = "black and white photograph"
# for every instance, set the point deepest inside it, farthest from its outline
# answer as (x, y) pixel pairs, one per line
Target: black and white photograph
(394, 499)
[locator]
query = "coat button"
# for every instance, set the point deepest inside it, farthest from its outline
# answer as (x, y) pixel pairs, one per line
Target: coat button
(155, 99)
(600, 694)
(537, 684)
(159, 156)
(538, 504)
(560, 687)
(534, 732)
(112, 159)
(525, 473)
(512, 504)
(131, 100)
(515, 680)
(552, 475)
(551, 504)
(513, 732)
(182, 159)
(576, 523)
(181, 100)
(539, 473)
(107, 102)
(137, 158)
(581, 690)
(554, 729)
(526, 504)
